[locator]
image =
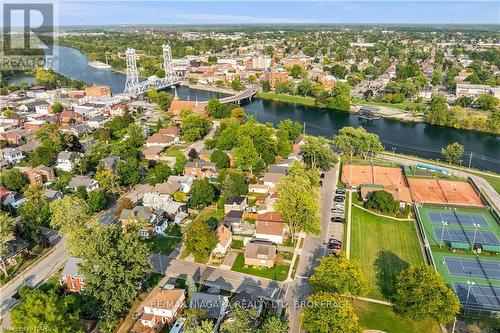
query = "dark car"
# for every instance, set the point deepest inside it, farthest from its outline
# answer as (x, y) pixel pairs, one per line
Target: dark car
(339, 197)
(338, 219)
(334, 246)
(320, 183)
(339, 191)
(338, 200)
(322, 176)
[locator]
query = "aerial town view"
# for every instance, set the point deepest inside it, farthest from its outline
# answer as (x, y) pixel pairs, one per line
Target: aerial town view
(250, 166)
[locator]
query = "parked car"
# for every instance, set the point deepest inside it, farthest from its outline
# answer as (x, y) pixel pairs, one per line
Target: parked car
(320, 183)
(339, 205)
(338, 219)
(338, 199)
(322, 176)
(337, 209)
(334, 245)
(339, 191)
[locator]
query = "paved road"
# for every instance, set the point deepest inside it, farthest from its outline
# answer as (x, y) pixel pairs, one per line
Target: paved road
(32, 277)
(314, 248)
(215, 277)
(480, 182)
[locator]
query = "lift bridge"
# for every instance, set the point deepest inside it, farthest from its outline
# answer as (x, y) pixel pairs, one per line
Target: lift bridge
(135, 87)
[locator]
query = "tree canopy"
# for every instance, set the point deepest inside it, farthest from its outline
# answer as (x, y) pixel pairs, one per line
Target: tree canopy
(200, 240)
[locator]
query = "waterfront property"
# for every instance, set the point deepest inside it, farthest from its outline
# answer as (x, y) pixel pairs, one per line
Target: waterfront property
(450, 235)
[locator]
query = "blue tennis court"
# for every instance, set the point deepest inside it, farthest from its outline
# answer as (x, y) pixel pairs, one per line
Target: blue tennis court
(457, 218)
(466, 236)
(480, 295)
(477, 268)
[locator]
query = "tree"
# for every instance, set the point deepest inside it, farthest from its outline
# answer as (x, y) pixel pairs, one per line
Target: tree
(317, 153)
(194, 127)
(382, 201)
(284, 145)
(218, 110)
(123, 203)
(192, 154)
(97, 200)
(298, 202)
(421, 293)
(348, 140)
(43, 155)
(200, 240)
(266, 86)
(464, 101)
(304, 87)
(13, 180)
(220, 159)
(202, 193)
(338, 71)
(437, 76)
(38, 309)
(6, 227)
(274, 324)
(180, 161)
(293, 128)
(487, 102)
(296, 71)
(158, 174)
(108, 180)
(196, 322)
(437, 111)
(57, 107)
(70, 216)
(236, 84)
(233, 184)
(240, 320)
(453, 152)
(34, 212)
(339, 274)
(114, 264)
(245, 154)
(341, 97)
(329, 313)
(369, 143)
(128, 172)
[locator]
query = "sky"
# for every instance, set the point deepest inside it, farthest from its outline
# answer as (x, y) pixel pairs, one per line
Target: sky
(247, 12)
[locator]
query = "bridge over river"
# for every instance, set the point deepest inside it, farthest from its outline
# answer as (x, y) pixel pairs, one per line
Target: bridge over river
(244, 95)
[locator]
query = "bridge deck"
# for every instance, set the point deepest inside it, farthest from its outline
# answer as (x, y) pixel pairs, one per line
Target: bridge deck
(236, 98)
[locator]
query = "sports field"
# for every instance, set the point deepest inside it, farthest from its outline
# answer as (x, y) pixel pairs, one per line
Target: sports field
(355, 175)
(439, 191)
(383, 247)
(475, 278)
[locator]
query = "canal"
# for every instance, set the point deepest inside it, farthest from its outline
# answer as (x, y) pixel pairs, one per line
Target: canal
(410, 138)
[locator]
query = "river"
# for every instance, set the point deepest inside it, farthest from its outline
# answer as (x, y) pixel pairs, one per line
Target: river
(410, 138)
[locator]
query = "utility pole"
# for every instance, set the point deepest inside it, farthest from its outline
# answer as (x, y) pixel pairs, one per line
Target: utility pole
(304, 129)
(470, 159)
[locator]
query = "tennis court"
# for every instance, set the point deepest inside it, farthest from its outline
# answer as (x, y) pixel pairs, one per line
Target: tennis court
(476, 268)
(466, 236)
(457, 218)
(439, 191)
(478, 295)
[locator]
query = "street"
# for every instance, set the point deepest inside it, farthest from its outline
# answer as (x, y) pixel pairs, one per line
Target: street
(314, 249)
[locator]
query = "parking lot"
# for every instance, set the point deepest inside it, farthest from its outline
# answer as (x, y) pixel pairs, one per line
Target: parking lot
(336, 220)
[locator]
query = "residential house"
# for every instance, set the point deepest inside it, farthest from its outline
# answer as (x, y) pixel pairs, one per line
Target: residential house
(214, 306)
(201, 169)
(66, 160)
(233, 219)
(160, 308)
(11, 155)
(117, 110)
(185, 182)
(235, 203)
(68, 117)
(28, 147)
(14, 247)
(297, 144)
(224, 239)
(271, 180)
(164, 137)
(40, 175)
(12, 137)
(110, 163)
(248, 300)
(52, 195)
(71, 277)
(260, 253)
(33, 125)
(270, 227)
(83, 181)
(97, 122)
(39, 107)
(155, 220)
(178, 105)
(98, 91)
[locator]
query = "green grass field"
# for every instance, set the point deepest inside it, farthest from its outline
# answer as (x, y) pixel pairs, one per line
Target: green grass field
(383, 247)
(382, 317)
(309, 101)
(165, 245)
(278, 272)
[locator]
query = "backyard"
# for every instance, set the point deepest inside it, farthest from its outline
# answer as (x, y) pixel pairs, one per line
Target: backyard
(166, 244)
(383, 247)
(278, 272)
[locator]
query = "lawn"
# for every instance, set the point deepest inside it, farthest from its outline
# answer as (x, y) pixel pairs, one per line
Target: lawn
(383, 247)
(401, 106)
(382, 317)
(278, 272)
(237, 244)
(165, 245)
(309, 101)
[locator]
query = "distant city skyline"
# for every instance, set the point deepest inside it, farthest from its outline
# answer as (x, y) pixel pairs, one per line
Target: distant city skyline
(263, 12)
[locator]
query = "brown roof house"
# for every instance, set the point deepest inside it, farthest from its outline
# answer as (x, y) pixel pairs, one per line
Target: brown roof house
(270, 227)
(71, 277)
(260, 253)
(164, 138)
(224, 239)
(201, 169)
(39, 175)
(160, 308)
(177, 106)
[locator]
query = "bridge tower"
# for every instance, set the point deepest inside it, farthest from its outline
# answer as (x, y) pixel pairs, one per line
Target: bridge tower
(132, 82)
(167, 60)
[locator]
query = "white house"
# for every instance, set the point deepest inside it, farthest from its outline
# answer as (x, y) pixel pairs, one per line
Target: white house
(65, 161)
(11, 155)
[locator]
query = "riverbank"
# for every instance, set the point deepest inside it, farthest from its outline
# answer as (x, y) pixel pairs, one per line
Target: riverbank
(308, 101)
(210, 88)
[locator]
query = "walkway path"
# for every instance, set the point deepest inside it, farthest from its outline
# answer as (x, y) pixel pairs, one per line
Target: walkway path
(381, 215)
(372, 300)
(348, 237)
